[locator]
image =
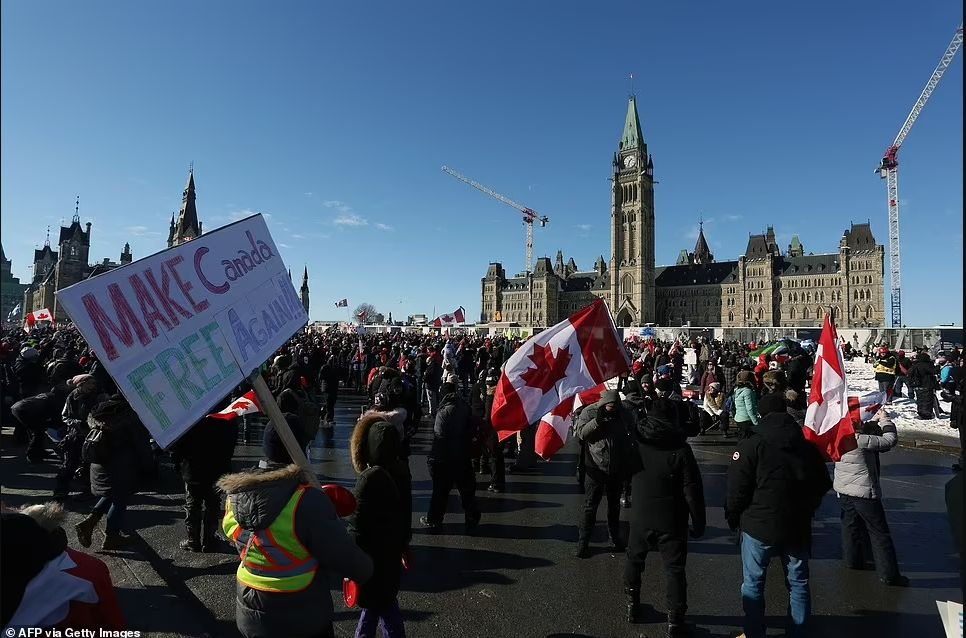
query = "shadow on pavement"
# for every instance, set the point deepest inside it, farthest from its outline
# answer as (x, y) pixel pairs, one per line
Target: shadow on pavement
(439, 569)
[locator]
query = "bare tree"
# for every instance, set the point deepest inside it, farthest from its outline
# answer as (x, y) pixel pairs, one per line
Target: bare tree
(365, 312)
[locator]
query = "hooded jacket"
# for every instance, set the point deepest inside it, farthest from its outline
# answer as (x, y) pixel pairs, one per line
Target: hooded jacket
(381, 524)
(452, 431)
(857, 472)
(257, 497)
(607, 435)
(130, 454)
(668, 489)
(776, 481)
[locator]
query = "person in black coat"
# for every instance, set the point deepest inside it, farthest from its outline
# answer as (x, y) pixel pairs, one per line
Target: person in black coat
(667, 492)
(125, 457)
(924, 381)
(450, 461)
(776, 481)
(37, 413)
(203, 455)
(380, 524)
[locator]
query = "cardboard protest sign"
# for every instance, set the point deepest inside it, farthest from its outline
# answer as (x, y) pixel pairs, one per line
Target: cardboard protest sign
(180, 329)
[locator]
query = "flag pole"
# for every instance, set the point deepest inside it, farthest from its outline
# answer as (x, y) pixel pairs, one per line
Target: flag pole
(270, 407)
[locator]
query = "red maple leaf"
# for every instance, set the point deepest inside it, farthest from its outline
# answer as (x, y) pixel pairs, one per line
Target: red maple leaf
(549, 370)
(244, 404)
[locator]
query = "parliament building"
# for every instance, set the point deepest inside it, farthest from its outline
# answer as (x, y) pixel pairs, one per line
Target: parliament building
(763, 287)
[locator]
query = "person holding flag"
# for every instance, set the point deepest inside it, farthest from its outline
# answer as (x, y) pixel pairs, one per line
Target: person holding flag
(860, 496)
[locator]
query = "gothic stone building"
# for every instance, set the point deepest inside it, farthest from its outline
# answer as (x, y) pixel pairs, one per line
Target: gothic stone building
(762, 288)
(11, 291)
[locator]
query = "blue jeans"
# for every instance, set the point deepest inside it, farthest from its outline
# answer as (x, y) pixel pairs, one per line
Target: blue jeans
(755, 557)
(114, 507)
(389, 619)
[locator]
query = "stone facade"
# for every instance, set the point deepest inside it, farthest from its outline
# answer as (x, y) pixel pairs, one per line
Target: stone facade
(764, 287)
(11, 292)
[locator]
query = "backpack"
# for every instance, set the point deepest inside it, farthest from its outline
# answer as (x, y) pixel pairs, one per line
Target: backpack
(97, 445)
(308, 413)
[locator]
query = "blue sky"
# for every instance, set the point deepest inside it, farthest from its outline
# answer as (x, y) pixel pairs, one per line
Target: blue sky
(334, 119)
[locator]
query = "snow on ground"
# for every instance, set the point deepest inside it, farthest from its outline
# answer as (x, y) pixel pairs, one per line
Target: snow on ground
(861, 380)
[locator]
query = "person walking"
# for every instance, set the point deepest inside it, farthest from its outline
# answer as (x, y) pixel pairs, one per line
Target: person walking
(291, 544)
(83, 397)
(203, 455)
(746, 403)
(667, 492)
(610, 457)
(380, 524)
(860, 495)
(885, 371)
(776, 481)
(118, 449)
(450, 460)
(923, 379)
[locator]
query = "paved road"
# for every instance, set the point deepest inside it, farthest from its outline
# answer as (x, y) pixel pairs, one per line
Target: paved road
(517, 576)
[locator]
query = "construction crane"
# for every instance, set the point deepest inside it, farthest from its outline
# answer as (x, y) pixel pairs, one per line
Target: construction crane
(889, 171)
(529, 215)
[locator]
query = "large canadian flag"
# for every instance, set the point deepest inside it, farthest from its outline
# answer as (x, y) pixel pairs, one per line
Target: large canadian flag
(554, 427)
(457, 317)
(828, 423)
(575, 355)
(245, 404)
(863, 408)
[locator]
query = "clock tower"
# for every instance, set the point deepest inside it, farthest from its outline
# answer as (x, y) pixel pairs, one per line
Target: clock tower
(632, 226)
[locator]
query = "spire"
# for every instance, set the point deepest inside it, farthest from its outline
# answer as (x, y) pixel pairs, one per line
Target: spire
(795, 249)
(76, 210)
(702, 253)
(47, 240)
(632, 137)
(187, 226)
(3, 257)
(304, 291)
(305, 276)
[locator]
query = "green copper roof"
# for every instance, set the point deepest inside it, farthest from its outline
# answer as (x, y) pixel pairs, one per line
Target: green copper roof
(633, 137)
(796, 243)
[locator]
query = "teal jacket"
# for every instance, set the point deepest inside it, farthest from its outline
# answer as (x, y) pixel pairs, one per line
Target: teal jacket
(746, 405)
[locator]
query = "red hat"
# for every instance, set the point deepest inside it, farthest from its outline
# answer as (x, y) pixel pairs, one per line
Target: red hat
(342, 499)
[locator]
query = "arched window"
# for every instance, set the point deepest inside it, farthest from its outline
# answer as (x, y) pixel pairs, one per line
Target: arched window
(791, 313)
(731, 316)
(805, 313)
(761, 314)
(627, 285)
(855, 312)
(869, 312)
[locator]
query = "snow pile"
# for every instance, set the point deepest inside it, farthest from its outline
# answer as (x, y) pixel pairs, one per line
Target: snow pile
(861, 380)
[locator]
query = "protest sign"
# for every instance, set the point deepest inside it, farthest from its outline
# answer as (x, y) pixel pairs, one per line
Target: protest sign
(180, 329)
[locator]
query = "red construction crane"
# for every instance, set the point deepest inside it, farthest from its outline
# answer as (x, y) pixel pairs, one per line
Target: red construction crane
(889, 171)
(529, 215)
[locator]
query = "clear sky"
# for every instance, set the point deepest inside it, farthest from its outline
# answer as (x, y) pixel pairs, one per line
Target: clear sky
(333, 118)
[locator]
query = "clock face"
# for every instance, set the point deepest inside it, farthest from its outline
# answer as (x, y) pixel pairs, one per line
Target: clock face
(630, 161)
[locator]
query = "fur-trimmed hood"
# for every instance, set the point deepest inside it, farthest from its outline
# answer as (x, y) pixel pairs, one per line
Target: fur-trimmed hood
(50, 515)
(359, 443)
(257, 497)
(254, 479)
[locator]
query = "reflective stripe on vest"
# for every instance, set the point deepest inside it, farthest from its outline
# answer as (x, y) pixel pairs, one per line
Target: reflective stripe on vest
(272, 559)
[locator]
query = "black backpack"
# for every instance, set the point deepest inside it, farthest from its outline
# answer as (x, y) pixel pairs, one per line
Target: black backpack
(308, 413)
(97, 445)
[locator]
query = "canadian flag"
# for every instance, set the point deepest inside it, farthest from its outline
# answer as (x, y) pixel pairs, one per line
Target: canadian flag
(245, 404)
(863, 408)
(458, 316)
(39, 315)
(554, 427)
(575, 355)
(828, 423)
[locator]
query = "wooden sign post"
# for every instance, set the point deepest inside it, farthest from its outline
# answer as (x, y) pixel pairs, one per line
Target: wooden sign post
(270, 407)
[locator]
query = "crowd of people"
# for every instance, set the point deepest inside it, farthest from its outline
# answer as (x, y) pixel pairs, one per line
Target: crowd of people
(633, 447)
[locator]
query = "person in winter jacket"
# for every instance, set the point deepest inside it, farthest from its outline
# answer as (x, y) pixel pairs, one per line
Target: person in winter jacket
(380, 524)
(203, 455)
(922, 378)
(730, 374)
(903, 364)
(47, 584)
(450, 461)
(83, 397)
(123, 456)
(711, 375)
(776, 481)
(291, 544)
(667, 492)
(885, 368)
(605, 428)
(797, 371)
(712, 414)
(37, 413)
(29, 373)
(746, 403)
(860, 496)
(329, 377)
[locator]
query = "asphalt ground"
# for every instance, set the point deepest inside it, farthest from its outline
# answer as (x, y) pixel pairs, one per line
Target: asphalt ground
(517, 575)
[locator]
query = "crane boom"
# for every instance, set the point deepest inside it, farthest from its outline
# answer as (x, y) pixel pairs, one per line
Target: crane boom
(529, 215)
(889, 171)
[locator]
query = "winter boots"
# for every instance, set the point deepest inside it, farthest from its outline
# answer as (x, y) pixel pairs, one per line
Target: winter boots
(85, 529)
(633, 603)
(114, 540)
(193, 542)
